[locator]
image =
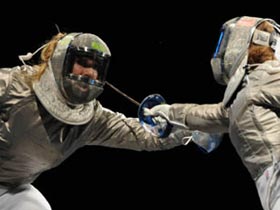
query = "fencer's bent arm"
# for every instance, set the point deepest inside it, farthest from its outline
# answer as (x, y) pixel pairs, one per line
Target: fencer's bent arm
(211, 118)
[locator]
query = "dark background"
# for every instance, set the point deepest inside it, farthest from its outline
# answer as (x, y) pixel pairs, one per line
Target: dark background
(156, 48)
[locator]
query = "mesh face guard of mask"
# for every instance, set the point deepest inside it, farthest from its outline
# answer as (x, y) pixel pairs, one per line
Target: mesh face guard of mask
(232, 48)
(88, 51)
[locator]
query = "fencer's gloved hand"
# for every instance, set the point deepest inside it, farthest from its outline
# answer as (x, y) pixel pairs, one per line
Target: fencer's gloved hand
(157, 120)
(154, 115)
(159, 115)
(161, 110)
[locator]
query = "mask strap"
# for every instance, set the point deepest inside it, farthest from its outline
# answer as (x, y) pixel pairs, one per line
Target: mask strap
(29, 55)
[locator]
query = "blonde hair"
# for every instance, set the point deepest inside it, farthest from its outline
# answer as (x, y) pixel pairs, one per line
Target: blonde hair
(46, 54)
(258, 53)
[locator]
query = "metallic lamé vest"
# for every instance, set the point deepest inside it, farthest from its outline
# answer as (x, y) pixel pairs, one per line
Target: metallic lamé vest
(252, 120)
(32, 140)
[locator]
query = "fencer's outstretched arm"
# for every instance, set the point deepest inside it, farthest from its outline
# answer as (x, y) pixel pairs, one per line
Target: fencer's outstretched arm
(210, 118)
(113, 129)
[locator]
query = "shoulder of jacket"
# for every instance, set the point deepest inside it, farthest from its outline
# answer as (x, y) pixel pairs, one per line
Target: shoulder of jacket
(10, 75)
